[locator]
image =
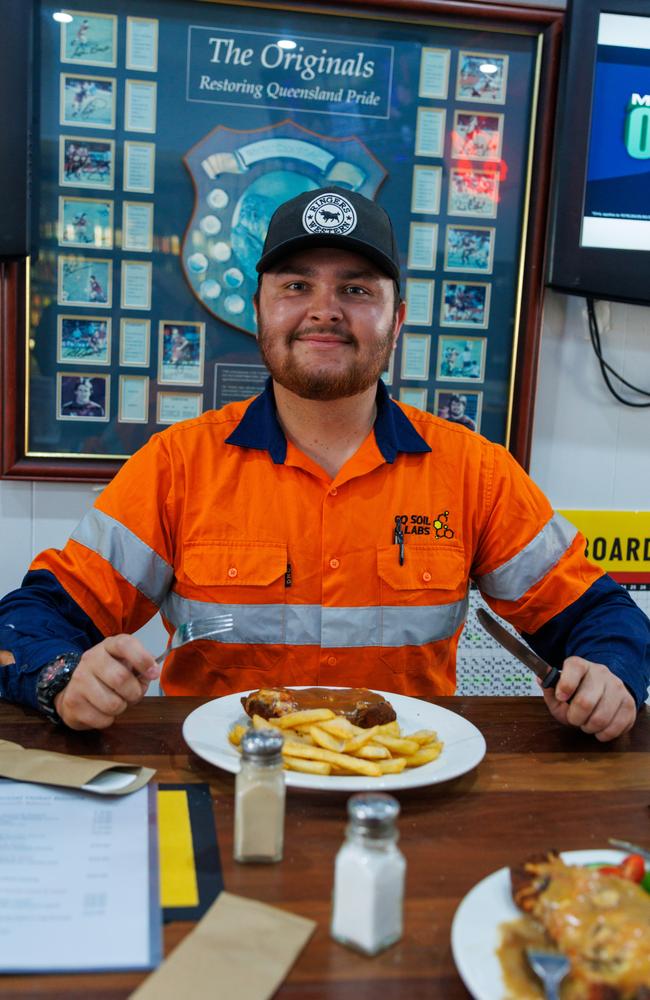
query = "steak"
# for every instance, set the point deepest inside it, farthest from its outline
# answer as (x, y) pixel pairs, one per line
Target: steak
(362, 707)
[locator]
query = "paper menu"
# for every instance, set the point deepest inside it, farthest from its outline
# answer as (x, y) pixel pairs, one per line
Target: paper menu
(78, 880)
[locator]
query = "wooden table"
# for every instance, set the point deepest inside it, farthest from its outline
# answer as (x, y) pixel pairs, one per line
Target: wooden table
(541, 785)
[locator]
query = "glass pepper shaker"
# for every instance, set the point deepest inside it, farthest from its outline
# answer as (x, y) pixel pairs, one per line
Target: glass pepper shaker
(369, 876)
(260, 798)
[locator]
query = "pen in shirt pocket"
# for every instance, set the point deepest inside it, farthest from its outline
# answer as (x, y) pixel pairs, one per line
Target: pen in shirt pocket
(398, 538)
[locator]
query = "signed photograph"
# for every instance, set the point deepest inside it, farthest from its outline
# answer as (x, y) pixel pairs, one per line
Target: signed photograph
(81, 339)
(88, 101)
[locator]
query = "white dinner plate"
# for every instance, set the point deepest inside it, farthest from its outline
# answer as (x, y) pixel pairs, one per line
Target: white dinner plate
(206, 730)
(475, 928)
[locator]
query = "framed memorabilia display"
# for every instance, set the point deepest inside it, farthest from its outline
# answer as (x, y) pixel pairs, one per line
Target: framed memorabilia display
(166, 134)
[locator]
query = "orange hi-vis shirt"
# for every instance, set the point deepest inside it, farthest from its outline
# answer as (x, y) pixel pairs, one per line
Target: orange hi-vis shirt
(222, 513)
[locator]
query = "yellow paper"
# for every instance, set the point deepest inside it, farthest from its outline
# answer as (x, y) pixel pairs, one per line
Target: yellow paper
(178, 882)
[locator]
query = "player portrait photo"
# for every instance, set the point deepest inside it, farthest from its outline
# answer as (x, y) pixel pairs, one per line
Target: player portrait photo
(461, 359)
(88, 101)
(462, 408)
(473, 192)
(84, 338)
(465, 304)
(181, 351)
(86, 162)
(82, 397)
(85, 281)
(469, 248)
(482, 77)
(89, 38)
(476, 136)
(85, 222)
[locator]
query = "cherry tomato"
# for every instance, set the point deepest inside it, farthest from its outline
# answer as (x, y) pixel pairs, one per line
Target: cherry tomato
(633, 867)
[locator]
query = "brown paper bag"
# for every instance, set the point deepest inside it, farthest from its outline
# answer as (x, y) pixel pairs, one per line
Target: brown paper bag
(244, 946)
(104, 777)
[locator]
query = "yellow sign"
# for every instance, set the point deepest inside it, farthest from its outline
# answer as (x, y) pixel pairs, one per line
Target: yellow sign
(617, 540)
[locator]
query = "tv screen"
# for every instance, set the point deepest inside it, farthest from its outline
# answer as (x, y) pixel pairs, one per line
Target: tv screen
(600, 221)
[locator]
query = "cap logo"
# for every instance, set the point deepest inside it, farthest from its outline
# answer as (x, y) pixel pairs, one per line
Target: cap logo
(329, 213)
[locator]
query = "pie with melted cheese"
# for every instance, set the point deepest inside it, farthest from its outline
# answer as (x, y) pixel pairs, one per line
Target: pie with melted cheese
(600, 921)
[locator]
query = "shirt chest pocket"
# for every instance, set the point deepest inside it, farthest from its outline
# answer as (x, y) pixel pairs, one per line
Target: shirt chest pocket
(429, 575)
(236, 572)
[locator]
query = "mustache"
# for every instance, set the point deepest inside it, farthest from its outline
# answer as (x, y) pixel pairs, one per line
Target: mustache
(341, 334)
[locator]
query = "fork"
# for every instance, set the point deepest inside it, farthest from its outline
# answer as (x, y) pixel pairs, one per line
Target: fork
(551, 967)
(202, 628)
(625, 845)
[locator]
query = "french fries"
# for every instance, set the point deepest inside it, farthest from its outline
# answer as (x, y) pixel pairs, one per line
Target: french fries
(316, 741)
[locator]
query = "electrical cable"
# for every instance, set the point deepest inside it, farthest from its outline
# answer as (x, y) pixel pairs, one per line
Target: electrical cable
(605, 368)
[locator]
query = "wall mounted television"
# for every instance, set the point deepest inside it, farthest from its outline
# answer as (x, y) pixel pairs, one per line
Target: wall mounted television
(600, 214)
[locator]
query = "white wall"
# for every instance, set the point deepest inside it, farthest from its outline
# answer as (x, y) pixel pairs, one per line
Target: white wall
(37, 516)
(589, 451)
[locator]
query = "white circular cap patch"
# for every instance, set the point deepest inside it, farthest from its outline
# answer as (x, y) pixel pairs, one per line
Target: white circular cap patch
(329, 213)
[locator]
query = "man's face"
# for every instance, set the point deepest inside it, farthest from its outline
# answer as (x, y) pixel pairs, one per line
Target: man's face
(327, 323)
(82, 393)
(457, 407)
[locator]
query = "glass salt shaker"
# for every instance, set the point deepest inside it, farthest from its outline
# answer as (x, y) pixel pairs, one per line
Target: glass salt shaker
(260, 798)
(369, 876)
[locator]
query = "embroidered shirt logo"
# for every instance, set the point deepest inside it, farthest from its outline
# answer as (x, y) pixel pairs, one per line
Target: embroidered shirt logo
(329, 213)
(441, 527)
(422, 524)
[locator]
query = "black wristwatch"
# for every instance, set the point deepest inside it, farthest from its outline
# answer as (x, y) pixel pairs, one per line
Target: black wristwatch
(52, 679)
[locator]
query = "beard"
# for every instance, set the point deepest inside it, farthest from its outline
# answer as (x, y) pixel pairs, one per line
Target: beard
(321, 383)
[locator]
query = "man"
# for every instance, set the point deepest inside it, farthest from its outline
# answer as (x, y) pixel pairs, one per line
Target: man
(457, 415)
(80, 228)
(310, 512)
(82, 405)
(180, 349)
(95, 291)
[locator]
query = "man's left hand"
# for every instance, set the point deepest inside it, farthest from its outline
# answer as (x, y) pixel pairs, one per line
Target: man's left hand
(599, 701)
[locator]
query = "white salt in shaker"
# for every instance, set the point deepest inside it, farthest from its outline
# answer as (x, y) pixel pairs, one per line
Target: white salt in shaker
(260, 798)
(369, 876)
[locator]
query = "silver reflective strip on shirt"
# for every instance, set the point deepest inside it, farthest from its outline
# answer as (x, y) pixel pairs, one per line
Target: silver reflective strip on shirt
(127, 554)
(329, 628)
(511, 581)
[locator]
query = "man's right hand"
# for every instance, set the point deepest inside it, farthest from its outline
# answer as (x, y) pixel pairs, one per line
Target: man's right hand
(108, 678)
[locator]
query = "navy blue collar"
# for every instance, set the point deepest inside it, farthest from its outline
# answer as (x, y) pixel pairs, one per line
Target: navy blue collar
(259, 428)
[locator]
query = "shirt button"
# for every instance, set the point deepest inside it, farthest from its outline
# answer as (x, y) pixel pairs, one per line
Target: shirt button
(426, 576)
(232, 571)
(331, 661)
(333, 491)
(334, 563)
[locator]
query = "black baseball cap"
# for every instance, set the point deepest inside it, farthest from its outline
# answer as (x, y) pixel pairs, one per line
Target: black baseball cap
(331, 217)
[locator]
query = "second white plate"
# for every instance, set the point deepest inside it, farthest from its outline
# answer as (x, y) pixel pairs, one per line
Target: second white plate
(475, 928)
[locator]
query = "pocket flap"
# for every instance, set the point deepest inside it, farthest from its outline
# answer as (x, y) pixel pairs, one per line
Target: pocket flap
(425, 567)
(243, 564)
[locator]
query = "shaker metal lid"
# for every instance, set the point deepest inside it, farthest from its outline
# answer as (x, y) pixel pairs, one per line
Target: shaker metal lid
(373, 810)
(261, 743)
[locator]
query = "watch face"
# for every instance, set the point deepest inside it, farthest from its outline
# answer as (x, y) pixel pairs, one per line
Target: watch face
(55, 675)
(52, 670)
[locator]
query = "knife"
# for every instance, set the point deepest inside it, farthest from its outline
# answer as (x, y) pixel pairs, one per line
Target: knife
(548, 675)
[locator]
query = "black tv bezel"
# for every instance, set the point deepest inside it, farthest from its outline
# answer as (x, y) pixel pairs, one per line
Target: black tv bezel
(617, 275)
